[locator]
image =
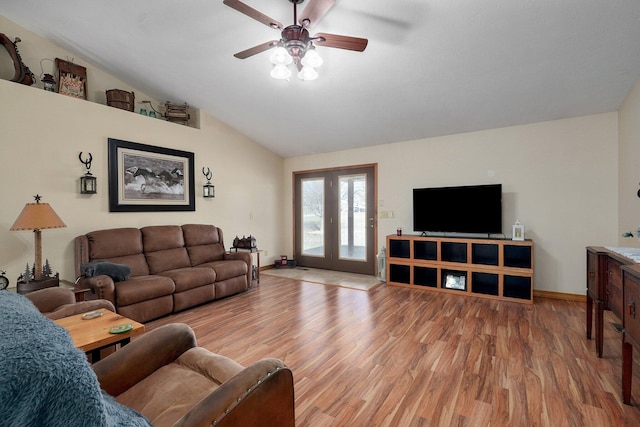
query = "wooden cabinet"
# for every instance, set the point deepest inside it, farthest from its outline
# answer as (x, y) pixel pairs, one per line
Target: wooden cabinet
(491, 268)
(630, 324)
(604, 288)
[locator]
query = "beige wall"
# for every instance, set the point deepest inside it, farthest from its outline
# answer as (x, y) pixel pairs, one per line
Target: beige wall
(42, 133)
(559, 178)
(629, 161)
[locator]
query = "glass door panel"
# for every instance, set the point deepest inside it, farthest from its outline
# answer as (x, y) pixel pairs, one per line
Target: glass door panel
(353, 217)
(313, 217)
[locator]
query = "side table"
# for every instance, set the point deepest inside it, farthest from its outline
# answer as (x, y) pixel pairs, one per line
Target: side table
(79, 293)
(92, 335)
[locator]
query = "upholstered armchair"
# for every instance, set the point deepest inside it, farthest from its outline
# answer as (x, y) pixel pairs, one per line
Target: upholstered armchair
(56, 303)
(169, 379)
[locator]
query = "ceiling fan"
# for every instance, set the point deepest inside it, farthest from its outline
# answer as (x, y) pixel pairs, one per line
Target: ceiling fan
(296, 45)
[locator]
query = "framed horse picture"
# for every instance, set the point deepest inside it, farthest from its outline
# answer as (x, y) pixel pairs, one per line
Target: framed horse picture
(146, 178)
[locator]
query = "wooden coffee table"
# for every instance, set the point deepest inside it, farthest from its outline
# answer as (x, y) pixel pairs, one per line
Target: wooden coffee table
(92, 335)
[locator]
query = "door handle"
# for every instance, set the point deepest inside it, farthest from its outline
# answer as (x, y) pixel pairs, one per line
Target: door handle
(632, 309)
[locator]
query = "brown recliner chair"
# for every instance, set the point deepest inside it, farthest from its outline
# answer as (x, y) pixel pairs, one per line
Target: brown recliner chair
(165, 376)
(56, 303)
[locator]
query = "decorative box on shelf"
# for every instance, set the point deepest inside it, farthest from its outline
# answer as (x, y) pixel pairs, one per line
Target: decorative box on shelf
(248, 243)
(177, 113)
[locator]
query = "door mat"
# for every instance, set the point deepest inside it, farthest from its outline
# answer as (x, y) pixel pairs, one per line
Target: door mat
(361, 282)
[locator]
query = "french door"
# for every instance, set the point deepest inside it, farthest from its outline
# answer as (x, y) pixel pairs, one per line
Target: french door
(335, 219)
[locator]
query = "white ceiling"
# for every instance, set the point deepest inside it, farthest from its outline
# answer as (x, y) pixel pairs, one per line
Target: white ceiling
(432, 67)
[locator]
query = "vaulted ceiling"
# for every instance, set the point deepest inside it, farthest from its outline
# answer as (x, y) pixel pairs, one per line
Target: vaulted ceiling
(432, 67)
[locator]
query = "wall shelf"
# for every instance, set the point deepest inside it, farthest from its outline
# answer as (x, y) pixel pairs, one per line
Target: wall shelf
(489, 268)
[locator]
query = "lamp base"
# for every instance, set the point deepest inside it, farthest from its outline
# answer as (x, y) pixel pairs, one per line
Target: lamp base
(35, 285)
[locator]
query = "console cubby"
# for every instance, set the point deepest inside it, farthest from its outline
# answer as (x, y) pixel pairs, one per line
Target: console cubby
(400, 273)
(425, 250)
(488, 268)
(425, 276)
(400, 249)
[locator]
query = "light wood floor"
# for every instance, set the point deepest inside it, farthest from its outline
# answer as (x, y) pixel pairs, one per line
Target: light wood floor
(399, 357)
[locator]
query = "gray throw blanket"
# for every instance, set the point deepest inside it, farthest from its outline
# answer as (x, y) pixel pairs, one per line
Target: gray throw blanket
(44, 379)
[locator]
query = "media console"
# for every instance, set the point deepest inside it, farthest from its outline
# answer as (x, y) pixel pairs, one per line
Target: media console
(489, 268)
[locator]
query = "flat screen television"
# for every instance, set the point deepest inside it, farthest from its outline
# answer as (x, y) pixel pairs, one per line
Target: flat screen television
(465, 209)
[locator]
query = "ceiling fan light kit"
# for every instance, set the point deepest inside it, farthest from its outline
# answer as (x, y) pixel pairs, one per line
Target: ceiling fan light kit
(295, 45)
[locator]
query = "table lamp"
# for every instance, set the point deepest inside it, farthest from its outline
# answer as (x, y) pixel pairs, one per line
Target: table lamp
(37, 216)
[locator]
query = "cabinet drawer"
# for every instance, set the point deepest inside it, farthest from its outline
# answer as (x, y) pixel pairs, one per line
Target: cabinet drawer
(615, 299)
(631, 309)
(614, 272)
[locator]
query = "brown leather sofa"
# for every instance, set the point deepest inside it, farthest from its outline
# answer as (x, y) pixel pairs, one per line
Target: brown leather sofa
(170, 380)
(172, 268)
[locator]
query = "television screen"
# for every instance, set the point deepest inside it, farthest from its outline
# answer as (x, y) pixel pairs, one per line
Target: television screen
(466, 209)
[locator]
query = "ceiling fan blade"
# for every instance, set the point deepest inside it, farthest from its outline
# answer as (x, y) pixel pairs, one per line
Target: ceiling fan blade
(252, 13)
(341, 42)
(256, 49)
(314, 12)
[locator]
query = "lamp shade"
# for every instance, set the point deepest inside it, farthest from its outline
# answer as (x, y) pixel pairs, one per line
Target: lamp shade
(37, 216)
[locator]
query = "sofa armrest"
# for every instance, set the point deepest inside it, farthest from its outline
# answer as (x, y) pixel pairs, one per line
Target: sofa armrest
(80, 307)
(134, 362)
(242, 256)
(48, 299)
(261, 394)
(102, 285)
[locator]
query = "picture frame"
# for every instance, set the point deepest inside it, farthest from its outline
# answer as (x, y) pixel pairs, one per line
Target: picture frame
(146, 178)
(457, 282)
(518, 232)
(72, 79)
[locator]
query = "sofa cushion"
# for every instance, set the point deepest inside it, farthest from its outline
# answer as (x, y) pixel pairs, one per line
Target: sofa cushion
(204, 243)
(227, 269)
(119, 246)
(205, 253)
(174, 389)
(137, 263)
(143, 288)
(200, 234)
(160, 237)
(169, 259)
(191, 277)
(117, 242)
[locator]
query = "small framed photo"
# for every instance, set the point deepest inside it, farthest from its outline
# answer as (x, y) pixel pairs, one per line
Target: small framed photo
(454, 281)
(518, 232)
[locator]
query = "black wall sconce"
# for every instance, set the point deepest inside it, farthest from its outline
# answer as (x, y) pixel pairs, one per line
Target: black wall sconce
(88, 182)
(208, 190)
